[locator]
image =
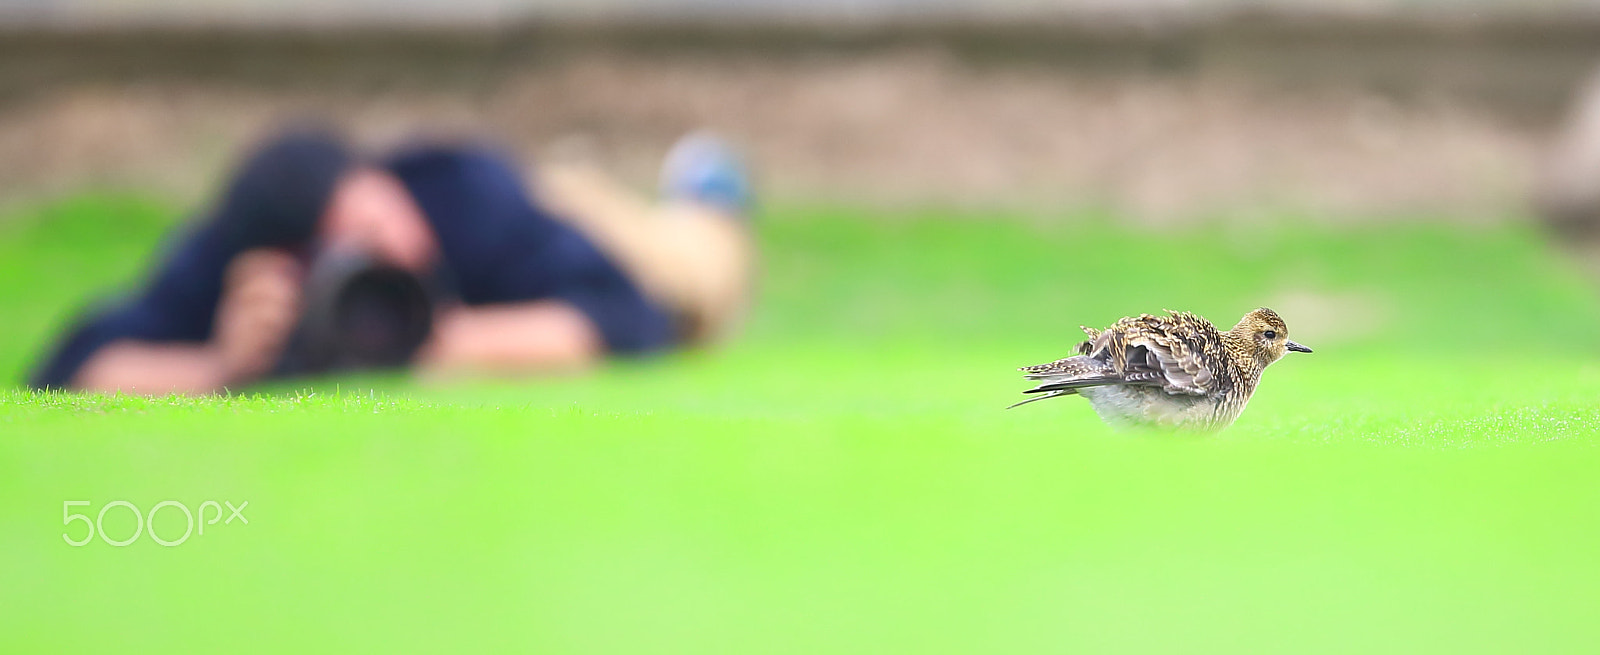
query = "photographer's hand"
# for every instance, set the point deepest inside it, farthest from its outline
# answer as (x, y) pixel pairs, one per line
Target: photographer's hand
(260, 305)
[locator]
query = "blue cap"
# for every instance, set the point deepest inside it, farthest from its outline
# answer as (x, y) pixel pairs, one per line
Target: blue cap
(703, 168)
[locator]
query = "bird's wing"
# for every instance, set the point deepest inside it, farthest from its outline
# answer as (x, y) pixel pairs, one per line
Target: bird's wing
(1166, 351)
(1169, 352)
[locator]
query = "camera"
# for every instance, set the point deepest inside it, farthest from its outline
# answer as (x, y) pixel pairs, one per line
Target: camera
(359, 314)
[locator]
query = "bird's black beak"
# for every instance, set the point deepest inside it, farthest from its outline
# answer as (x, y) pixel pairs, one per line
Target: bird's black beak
(1297, 347)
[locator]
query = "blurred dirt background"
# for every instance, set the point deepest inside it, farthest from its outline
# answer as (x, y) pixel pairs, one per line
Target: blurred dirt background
(1341, 118)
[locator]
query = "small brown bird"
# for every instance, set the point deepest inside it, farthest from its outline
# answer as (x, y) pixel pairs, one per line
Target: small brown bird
(1175, 371)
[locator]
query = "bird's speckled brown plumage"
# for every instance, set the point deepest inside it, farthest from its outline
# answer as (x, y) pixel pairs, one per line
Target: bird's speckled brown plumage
(1168, 371)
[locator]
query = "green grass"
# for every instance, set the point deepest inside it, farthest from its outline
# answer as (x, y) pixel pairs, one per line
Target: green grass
(844, 479)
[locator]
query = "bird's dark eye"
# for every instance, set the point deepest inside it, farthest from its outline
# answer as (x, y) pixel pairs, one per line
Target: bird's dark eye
(1270, 335)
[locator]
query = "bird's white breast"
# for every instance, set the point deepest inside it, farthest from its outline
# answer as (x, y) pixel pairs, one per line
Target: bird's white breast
(1125, 405)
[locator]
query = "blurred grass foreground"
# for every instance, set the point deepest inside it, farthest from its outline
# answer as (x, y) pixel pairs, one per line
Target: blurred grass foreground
(844, 479)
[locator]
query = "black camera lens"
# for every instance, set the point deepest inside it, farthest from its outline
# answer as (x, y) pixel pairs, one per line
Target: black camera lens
(359, 314)
(381, 317)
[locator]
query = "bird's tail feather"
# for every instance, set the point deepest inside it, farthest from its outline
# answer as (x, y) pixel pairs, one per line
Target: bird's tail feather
(1067, 387)
(1072, 384)
(1065, 392)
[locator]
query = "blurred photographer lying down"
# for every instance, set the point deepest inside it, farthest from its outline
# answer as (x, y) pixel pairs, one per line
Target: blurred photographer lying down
(435, 257)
